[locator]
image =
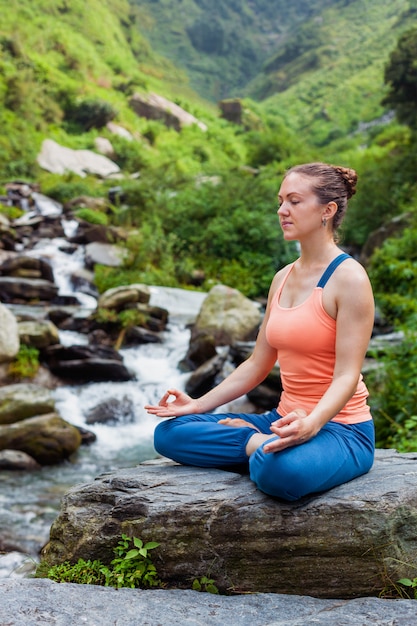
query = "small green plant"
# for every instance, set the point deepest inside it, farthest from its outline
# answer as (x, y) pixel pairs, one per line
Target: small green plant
(82, 572)
(410, 583)
(26, 363)
(205, 584)
(131, 567)
(91, 216)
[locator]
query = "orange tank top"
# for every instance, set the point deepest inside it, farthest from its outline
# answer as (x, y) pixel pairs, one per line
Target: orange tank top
(304, 337)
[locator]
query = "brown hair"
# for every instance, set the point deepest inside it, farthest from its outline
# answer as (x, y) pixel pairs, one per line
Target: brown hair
(332, 184)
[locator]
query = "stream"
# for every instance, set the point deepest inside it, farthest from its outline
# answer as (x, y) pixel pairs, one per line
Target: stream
(30, 501)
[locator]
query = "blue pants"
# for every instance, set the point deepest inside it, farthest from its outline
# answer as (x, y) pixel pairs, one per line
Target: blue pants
(337, 454)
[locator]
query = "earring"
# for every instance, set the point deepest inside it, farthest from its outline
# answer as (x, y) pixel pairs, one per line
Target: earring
(324, 222)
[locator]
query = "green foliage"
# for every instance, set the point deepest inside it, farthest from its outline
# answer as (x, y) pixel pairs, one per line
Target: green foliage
(25, 364)
(89, 113)
(132, 567)
(82, 573)
(65, 188)
(205, 584)
(393, 273)
(393, 395)
(410, 584)
(92, 216)
(401, 77)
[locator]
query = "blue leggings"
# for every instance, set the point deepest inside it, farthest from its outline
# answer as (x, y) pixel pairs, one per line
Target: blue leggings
(337, 454)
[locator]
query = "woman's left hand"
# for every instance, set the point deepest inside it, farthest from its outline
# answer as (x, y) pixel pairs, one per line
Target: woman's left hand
(292, 430)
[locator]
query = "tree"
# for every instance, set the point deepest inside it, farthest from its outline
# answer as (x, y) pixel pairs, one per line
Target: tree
(401, 77)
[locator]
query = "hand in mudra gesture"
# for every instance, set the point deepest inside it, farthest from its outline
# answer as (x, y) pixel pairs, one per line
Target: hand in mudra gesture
(173, 404)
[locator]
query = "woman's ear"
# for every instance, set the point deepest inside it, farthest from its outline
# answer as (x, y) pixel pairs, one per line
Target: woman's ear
(329, 210)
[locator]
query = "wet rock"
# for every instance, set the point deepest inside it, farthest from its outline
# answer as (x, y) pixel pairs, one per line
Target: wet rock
(86, 363)
(119, 297)
(20, 401)
(17, 460)
(38, 333)
(26, 289)
(47, 438)
(23, 266)
(112, 411)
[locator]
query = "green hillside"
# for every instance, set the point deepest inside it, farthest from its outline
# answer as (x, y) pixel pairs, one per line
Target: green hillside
(222, 45)
(328, 77)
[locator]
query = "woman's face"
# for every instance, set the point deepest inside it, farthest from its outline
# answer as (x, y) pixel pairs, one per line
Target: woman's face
(299, 212)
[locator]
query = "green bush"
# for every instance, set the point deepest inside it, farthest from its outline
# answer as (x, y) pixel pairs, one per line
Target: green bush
(393, 395)
(25, 364)
(92, 216)
(89, 113)
(132, 567)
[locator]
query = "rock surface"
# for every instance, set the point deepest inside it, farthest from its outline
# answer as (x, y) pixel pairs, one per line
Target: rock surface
(38, 602)
(59, 160)
(47, 438)
(228, 316)
(351, 541)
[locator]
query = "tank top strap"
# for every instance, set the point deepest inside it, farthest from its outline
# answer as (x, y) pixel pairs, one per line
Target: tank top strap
(331, 268)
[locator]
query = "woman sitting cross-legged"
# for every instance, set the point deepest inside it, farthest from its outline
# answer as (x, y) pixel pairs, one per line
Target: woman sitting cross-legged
(317, 325)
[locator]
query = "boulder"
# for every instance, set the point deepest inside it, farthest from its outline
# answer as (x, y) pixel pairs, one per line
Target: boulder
(228, 316)
(25, 289)
(119, 131)
(38, 333)
(118, 297)
(155, 107)
(47, 438)
(354, 540)
(81, 363)
(111, 411)
(59, 160)
(17, 460)
(107, 254)
(20, 401)
(9, 335)
(23, 266)
(104, 146)
(37, 602)
(231, 110)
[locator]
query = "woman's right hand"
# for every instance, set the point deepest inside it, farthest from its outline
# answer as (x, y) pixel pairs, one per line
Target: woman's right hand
(173, 404)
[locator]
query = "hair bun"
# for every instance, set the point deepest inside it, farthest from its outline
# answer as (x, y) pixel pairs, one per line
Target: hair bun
(350, 178)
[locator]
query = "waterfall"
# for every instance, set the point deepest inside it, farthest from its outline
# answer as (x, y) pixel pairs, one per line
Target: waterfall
(29, 502)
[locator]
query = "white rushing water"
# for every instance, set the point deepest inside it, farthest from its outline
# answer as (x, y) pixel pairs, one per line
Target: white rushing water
(29, 501)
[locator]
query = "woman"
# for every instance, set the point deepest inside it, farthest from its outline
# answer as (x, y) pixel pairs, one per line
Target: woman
(317, 324)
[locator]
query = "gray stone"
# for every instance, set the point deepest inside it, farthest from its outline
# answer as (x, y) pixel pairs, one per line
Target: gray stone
(38, 333)
(20, 401)
(118, 297)
(155, 107)
(17, 460)
(350, 541)
(105, 254)
(9, 336)
(48, 438)
(12, 288)
(59, 160)
(38, 602)
(228, 315)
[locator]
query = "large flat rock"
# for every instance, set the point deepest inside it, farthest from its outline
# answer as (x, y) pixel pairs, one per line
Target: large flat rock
(41, 602)
(352, 541)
